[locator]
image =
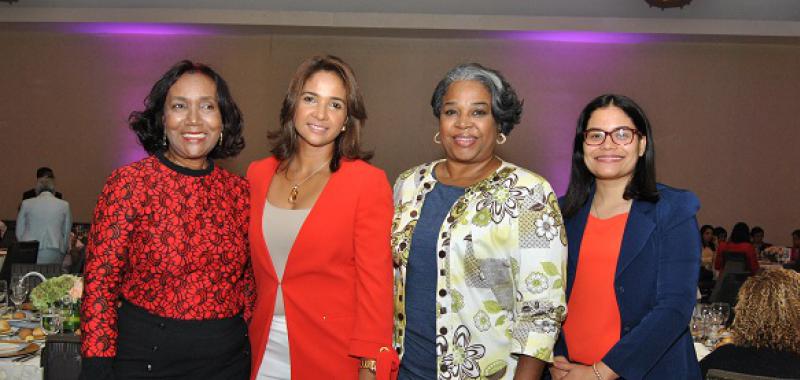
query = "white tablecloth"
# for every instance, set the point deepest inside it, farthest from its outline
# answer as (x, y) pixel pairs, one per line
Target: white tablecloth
(28, 370)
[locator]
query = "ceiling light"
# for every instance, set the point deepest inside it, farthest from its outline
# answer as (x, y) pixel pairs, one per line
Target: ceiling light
(664, 4)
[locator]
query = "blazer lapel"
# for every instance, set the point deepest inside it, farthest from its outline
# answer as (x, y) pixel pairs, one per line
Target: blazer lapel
(259, 188)
(641, 224)
(316, 216)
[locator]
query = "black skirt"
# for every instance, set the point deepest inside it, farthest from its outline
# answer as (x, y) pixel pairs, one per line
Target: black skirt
(152, 347)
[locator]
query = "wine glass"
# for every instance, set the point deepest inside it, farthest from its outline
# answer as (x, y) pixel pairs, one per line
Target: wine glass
(3, 294)
(724, 309)
(19, 291)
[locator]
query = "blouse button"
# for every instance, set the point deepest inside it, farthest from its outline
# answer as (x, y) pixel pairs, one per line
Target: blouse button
(443, 310)
(442, 292)
(442, 254)
(443, 368)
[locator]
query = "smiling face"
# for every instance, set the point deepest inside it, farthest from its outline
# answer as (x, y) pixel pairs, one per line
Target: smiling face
(609, 161)
(321, 110)
(467, 128)
(192, 120)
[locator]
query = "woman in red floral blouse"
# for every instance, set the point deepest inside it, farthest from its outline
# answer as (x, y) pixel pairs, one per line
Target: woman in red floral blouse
(169, 284)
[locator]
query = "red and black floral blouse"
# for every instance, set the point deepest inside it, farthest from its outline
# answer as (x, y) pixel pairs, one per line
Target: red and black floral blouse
(170, 240)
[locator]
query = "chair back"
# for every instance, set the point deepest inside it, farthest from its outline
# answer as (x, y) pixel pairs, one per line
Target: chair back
(728, 288)
(718, 374)
(47, 270)
(61, 357)
(20, 252)
(735, 261)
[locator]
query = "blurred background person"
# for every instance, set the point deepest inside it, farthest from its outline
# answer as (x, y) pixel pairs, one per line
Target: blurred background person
(757, 238)
(705, 281)
(634, 254)
(739, 243)
(41, 174)
(324, 306)
(47, 220)
(766, 329)
(478, 243)
(721, 234)
(168, 281)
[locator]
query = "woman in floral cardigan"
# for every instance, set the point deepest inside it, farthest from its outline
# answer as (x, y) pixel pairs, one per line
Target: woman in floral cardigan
(478, 244)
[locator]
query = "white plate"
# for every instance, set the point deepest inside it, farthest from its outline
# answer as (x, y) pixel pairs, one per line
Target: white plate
(7, 348)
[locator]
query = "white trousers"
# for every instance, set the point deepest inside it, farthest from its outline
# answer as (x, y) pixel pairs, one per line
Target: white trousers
(276, 365)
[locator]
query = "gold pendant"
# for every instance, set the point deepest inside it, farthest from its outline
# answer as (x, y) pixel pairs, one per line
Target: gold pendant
(293, 194)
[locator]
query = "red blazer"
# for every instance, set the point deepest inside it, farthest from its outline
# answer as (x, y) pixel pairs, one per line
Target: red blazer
(337, 286)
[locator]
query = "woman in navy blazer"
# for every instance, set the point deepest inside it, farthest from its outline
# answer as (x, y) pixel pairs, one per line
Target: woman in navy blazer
(654, 283)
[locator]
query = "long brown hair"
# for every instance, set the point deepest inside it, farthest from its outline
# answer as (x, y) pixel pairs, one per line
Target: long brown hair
(768, 311)
(348, 144)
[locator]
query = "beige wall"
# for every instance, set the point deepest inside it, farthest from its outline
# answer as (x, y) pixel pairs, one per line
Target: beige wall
(724, 113)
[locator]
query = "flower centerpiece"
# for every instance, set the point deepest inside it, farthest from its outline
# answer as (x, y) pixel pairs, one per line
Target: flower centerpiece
(64, 291)
(57, 289)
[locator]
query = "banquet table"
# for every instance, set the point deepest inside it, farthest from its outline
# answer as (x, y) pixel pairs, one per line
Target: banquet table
(27, 370)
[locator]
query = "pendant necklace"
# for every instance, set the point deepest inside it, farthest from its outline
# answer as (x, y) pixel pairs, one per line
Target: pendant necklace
(296, 187)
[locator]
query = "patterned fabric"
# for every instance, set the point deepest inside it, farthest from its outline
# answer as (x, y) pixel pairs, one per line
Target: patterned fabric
(501, 264)
(170, 242)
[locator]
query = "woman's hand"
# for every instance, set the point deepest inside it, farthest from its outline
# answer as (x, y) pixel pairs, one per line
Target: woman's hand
(365, 374)
(556, 370)
(574, 371)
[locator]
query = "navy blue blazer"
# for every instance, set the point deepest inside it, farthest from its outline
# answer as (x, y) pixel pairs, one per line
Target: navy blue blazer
(655, 285)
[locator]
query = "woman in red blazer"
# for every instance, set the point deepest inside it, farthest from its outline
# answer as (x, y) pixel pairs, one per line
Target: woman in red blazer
(334, 296)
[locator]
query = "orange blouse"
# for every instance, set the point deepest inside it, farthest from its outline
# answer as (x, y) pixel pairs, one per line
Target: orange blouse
(593, 322)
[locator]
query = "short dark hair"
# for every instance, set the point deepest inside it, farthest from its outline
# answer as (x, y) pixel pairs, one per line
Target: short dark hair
(44, 171)
(740, 233)
(643, 184)
(796, 233)
(719, 231)
(506, 107)
(348, 143)
(149, 126)
(707, 227)
(756, 230)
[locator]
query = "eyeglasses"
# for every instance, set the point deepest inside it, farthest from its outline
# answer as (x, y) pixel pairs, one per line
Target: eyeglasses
(620, 136)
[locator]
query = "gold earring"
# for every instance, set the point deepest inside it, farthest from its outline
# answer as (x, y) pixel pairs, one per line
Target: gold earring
(436, 138)
(220, 139)
(343, 128)
(501, 139)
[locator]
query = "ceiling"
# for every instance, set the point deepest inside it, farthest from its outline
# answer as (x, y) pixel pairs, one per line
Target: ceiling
(709, 17)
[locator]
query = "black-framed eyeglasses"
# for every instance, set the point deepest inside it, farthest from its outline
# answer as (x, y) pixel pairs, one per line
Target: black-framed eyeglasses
(620, 136)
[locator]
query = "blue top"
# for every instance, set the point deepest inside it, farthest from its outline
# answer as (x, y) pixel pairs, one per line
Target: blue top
(419, 358)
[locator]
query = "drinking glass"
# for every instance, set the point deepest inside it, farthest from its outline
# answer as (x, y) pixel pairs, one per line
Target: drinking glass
(3, 294)
(51, 321)
(724, 309)
(19, 291)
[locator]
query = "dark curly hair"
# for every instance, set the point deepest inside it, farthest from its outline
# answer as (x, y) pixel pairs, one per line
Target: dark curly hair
(149, 125)
(348, 143)
(506, 107)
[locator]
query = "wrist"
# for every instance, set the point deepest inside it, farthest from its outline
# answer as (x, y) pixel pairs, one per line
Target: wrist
(604, 372)
(368, 364)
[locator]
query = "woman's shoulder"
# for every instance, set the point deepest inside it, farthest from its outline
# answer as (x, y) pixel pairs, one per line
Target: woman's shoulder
(677, 203)
(524, 176)
(141, 168)
(261, 167)
(420, 171)
(231, 179)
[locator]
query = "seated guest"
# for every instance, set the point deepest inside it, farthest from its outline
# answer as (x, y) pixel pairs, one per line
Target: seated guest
(75, 258)
(709, 246)
(740, 242)
(720, 234)
(41, 173)
(766, 337)
(47, 220)
(757, 238)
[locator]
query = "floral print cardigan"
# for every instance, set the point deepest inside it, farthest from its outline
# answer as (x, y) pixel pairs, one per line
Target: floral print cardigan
(501, 263)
